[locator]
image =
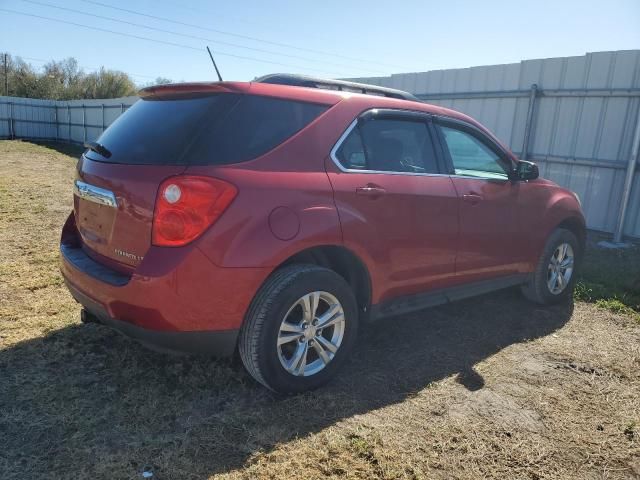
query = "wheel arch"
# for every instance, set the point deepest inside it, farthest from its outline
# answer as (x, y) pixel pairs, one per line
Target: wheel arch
(342, 261)
(576, 226)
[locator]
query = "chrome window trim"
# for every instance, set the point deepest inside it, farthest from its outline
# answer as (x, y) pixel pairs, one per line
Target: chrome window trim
(94, 194)
(473, 177)
(344, 136)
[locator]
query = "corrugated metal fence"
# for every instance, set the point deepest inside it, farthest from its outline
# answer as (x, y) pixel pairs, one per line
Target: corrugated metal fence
(74, 121)
(578, 123)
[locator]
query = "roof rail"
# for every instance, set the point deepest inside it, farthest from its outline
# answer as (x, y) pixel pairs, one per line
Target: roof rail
(342, 85)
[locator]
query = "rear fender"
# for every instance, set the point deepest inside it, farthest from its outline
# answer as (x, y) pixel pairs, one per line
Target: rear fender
(274, 216)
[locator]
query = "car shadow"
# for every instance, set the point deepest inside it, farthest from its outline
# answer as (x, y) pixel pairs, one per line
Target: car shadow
(86, 402)
(71, 149)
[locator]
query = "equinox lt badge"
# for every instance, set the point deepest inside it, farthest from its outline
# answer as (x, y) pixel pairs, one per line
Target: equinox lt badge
(128, 255)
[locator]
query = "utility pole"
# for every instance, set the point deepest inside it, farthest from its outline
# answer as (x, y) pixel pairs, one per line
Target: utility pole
(6, 77)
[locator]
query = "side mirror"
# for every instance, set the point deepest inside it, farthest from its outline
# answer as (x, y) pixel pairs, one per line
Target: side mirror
(525, 171)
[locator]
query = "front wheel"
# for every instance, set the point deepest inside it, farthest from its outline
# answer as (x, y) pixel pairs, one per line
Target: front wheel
(300, 329)
(554, 277)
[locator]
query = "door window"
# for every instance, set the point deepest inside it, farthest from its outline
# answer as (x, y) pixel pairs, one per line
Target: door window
(386, 145)
(471, 157)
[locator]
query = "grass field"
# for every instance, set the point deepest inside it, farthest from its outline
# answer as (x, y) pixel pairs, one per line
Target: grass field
(492, 387)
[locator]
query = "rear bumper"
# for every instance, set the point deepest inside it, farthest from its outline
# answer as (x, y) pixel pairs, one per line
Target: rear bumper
(218, 343)
(176, 299)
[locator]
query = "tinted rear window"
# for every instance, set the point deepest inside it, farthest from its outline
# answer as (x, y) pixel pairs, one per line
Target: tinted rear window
(212, 130)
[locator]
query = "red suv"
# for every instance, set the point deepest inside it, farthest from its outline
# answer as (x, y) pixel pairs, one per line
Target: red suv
(274, 217)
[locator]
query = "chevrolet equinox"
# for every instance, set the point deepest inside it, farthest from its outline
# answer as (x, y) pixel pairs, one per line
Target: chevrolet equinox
(275, 217)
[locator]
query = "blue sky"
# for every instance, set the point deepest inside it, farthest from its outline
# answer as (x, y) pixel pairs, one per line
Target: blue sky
(331, 38)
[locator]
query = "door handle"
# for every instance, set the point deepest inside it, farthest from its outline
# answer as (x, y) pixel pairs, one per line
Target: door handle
(371, 191)
(472, 198)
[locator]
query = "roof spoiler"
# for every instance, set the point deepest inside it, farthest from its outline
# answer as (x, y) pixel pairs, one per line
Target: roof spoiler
(341, 85)
(191, 88)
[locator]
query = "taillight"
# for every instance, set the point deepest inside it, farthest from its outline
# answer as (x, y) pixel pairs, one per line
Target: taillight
(186, 206)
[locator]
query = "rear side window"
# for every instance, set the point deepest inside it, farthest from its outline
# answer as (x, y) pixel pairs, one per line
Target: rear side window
(157, 132)
(387, 145)
(254, 126)
(210, 130)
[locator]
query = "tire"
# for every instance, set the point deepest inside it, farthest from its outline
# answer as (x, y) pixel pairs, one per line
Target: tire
(538, 288)
(283, 297)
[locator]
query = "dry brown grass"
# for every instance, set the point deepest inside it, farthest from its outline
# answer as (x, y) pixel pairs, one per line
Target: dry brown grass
(488, 388)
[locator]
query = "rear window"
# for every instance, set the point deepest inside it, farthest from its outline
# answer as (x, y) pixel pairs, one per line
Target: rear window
(211, 130)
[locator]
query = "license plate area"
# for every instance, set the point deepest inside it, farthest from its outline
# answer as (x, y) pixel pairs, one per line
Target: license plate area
(96, 210)
(95, 220)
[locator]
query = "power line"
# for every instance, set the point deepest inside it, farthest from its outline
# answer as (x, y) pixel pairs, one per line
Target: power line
(164, 42)
(267, 26)
(246, 37)
(112, 19)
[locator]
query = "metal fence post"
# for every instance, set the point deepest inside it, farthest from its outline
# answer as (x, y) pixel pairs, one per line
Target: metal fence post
(628, 181)
(102, 116)
(529, 124)
(84, 123)
(69, 120)
(55, 119)
(11, 124)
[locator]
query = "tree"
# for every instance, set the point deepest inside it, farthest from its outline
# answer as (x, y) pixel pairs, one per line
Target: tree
(22, 79)
(64, 80)
(107, 84)
(162, 81)
(157, 81)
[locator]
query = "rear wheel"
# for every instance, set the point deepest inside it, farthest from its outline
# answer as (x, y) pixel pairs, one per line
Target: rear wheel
(554, 278)
(300, 329)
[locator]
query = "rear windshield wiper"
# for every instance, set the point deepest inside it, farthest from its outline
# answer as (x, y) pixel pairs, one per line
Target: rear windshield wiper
(98, 148)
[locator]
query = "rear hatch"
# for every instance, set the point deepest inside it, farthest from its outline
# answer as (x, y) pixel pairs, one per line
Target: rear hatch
(161, 136)
(115, 194)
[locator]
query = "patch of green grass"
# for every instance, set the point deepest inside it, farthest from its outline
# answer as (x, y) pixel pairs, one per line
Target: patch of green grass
(364, 447)
(615, 305)
(611, 279)
(361, 446)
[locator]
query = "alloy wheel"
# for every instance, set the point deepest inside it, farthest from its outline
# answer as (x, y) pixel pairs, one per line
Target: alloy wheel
(560, 268)
(311, 333)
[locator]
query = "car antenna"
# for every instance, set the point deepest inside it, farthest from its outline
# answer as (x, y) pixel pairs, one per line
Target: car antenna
(214, 63)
